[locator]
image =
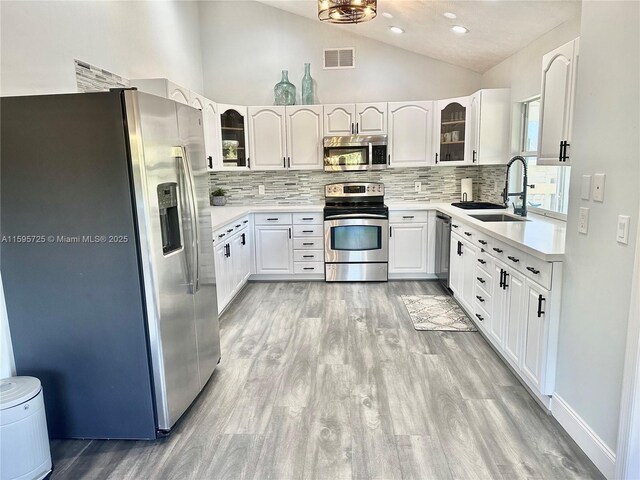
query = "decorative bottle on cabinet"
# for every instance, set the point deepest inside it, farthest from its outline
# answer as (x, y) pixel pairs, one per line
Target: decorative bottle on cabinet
(307, 86)
(285, 91)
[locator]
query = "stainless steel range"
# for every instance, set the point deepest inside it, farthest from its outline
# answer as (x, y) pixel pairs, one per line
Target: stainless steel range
(356, 233)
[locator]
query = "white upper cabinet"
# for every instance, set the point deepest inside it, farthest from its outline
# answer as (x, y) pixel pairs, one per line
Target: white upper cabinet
(358, 119)
(473, 126)
(559, 69)
(304, 137)
(210, 128)
(410, 133)
(267, 138)
(371, 118)
(233, 137)
(179, 94)
(339, 120)
(451, 132)
(488, 127)
(163, 88)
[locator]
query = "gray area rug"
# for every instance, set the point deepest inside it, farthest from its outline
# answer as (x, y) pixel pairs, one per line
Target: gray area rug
(437, 312)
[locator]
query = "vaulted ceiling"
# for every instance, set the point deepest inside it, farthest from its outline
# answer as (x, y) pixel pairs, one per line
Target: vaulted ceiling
(497, 28)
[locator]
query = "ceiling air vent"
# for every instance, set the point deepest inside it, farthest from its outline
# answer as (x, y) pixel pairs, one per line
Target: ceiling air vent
(339, 58)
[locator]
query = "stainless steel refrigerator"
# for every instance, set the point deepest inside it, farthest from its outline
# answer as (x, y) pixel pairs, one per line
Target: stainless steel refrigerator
(106, 258)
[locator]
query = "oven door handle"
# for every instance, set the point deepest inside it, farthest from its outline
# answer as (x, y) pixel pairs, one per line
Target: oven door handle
(355, 215)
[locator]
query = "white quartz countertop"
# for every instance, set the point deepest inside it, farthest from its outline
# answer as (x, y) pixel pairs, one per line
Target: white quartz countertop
(539, 236)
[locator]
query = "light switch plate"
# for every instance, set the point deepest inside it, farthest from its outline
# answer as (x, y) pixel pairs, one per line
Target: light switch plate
(622, 233)
(583, 220)
(260, 189)
(418, 186)
(598, 187)
(586, 187)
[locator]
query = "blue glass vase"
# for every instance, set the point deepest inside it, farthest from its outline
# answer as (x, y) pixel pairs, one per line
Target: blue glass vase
(307, 86)
(284, 91)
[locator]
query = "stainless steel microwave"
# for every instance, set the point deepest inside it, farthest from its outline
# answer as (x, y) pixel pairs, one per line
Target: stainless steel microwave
(355, 152)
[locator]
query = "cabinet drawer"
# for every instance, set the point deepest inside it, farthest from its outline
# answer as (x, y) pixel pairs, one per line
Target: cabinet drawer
(483, 241)
(308, 231)
(514, 258)
(483, 299)
(484, 260)
(307, 218)
(308, 267)
(272, 219)
(483, 279)
(409, 217)
(481, 316)
(316, 243)
(308, 255)
(538, 270)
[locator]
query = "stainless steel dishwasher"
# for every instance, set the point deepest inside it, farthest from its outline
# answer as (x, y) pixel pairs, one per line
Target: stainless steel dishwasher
(443, 240)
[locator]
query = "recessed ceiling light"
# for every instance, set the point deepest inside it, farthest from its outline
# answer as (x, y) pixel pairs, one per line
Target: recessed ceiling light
(387, 15)
(396, 29)
(459, 29)
(448, 15)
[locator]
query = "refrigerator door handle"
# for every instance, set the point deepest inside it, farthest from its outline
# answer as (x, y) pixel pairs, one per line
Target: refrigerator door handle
(195, 260)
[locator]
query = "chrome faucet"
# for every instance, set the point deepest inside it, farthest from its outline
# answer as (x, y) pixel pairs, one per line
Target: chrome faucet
(522, 211)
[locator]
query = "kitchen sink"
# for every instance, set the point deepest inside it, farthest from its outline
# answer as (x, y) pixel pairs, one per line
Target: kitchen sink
(498, 217)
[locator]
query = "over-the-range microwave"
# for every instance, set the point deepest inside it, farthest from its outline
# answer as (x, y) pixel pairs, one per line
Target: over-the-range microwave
(355, 152)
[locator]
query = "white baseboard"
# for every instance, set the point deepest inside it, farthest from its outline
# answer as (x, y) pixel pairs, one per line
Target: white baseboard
(600, 454)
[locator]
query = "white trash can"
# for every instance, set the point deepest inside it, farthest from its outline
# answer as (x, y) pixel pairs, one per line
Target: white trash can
(24, 442)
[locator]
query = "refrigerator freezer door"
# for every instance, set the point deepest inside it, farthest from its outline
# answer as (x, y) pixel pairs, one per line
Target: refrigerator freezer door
(205, 302)
(153, 137)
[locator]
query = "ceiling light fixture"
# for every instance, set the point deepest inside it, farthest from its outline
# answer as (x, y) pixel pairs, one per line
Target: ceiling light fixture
(347, 11)
(387, 15)
(450, 15)
(459, 29)
(396, 30)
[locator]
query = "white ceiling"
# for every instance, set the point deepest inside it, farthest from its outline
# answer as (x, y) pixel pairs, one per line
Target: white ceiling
(497, 28)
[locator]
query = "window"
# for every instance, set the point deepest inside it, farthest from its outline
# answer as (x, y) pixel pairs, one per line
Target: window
(549, 194)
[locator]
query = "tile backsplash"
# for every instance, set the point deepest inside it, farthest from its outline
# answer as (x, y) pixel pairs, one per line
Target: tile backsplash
(90, 78)
(295, 187)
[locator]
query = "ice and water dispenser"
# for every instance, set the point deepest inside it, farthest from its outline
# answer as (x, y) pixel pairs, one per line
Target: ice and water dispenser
(169, 217)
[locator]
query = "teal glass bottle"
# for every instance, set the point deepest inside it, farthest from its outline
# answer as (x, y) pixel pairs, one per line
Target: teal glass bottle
(284, 91)
(307, 86)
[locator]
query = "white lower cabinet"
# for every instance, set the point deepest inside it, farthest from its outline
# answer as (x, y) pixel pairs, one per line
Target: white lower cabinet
(518, 315)
(462, 269)
(536, 335)
(408, 248)
(289, 244)
(274, 253)
(232, 255)
(513, 287)
(308, 244)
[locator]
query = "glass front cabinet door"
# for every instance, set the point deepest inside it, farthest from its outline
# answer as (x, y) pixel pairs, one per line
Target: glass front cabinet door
(234, 139)
(452, 132)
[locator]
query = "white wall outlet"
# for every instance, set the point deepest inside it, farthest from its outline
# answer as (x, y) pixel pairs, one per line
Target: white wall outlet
(586, 187)
(495, 186)
(260, 189)
(598, 187)
(417, 186)
(622, 233)
(583, 220)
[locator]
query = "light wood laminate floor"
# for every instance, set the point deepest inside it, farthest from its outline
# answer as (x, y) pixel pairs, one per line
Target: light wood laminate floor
(331, 381)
